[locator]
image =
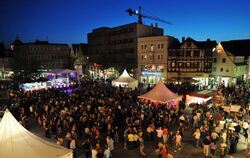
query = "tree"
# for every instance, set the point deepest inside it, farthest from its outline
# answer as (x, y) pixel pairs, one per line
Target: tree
(25, 69)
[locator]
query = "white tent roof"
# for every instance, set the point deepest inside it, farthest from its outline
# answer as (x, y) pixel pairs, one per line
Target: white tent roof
(124, 78)
(160, 93)
(17, 142)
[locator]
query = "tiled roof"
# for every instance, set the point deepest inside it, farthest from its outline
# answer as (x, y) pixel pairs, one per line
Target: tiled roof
(237, 47)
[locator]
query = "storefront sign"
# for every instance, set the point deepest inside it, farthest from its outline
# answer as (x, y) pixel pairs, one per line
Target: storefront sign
(151, 73)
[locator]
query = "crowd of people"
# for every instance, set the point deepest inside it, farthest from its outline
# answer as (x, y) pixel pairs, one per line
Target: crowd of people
(218, 131)
(96, 115)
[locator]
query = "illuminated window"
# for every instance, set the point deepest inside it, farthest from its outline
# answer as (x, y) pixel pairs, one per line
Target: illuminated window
(180, 64)
(173, 64)
(188, 64)
(152, 47)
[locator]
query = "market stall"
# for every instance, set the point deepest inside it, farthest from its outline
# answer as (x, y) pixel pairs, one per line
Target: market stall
(125, 80)
(202, 97)
(161, 94)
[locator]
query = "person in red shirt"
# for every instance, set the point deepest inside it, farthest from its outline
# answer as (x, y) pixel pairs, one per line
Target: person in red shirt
(165, 134)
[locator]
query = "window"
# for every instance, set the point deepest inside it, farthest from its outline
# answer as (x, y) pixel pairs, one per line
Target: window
(159, 46)
(215, 60)
(159, 57)
(188, 64)
(152, 47)
(227, 70)
(224, 60)
(173, 64)
(189, 45)
(196, 53)
(141, 46)
(162, 45)
(145, 46)
(142, 57)
(180, 64)
(214, 68)
(221, 69)
(188, 53)
(196, 65)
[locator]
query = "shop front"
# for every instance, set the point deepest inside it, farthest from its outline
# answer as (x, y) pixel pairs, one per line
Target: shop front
(220, 80)
(151, 77)
(152, 74)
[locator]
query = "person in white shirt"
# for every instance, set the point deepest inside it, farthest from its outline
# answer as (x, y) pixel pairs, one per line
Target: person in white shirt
(177, 139)
(73, 146)
(107, 152)
(110, 143)
(159, 133)
(94, 153)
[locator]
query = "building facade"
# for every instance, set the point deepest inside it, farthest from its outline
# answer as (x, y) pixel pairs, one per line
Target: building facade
(223, 71)
(191, 60)
(152, 55)
(46, 55)
(117, 46)
(231, 63)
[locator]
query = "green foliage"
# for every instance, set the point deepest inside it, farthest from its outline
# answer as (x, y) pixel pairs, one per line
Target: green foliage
(25, 70)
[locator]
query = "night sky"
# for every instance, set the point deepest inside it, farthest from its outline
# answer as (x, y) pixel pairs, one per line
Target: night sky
(69, 21)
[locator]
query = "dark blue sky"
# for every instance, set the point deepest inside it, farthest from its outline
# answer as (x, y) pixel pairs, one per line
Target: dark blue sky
(69, 21)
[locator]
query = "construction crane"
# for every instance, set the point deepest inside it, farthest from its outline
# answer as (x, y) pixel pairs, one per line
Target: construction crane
(140, 16)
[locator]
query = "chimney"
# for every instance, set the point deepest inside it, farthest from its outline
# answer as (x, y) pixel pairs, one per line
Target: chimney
(182, 39)
(156, 25)
(152, 25)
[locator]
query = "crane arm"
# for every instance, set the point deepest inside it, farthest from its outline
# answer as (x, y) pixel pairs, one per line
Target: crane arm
(140, 16)
(157, 19)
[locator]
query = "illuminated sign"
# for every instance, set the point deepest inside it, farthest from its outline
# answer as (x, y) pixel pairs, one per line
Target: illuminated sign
(151, 73)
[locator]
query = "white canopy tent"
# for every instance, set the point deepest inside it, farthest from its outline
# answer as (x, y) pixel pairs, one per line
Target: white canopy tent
(125, 80)
(17, 142)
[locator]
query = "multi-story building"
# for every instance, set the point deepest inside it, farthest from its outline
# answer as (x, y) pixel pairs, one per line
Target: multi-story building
(47, 55)
(5, 58)
(231, 62)
(223, 70)
(152, 55)
(191, 60)
(117, 46)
